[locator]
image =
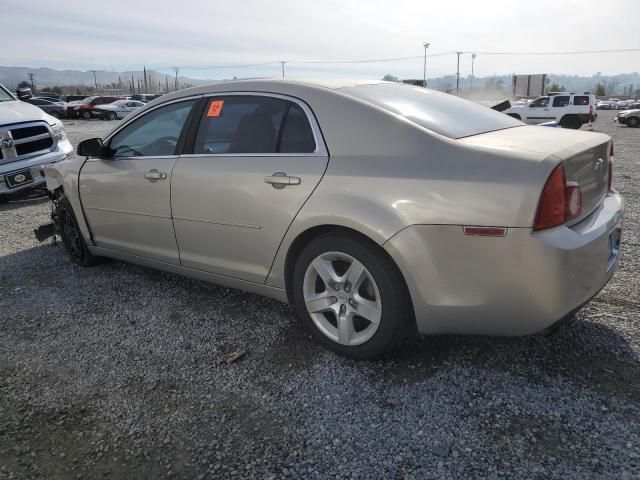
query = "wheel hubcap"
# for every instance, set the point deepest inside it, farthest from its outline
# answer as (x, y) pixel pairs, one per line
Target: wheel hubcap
(342, 298)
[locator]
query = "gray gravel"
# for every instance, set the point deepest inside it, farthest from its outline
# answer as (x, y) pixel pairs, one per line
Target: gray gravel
(112, 372)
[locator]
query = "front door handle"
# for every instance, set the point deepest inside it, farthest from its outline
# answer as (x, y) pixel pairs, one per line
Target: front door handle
(154, 175)
(280, 180)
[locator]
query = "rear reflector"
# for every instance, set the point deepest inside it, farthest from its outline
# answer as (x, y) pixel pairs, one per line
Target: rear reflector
(574, 200)
(485, 231)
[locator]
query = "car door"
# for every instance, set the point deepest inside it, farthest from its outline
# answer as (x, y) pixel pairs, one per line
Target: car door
(538, 111)
(256, 159)
(560, 106)
(127, 197)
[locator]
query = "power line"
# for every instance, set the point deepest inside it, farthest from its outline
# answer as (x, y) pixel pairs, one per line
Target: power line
(578, 52)
(393, 59)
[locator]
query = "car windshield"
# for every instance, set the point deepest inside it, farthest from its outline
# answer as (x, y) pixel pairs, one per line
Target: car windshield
(439, 112)
(119, 103)
(88, 100)
(5, 96)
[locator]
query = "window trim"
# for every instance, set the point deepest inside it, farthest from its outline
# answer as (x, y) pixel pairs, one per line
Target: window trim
(321, 148)
(133, 118)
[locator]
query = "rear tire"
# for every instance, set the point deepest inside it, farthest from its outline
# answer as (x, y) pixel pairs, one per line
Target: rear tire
(570, 121)
(359, 305)
(72, 238)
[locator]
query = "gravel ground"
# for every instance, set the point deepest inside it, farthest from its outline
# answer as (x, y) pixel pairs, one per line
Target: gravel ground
(112, 372)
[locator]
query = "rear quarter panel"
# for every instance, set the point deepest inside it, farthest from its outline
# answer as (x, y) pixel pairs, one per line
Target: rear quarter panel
(386, 174)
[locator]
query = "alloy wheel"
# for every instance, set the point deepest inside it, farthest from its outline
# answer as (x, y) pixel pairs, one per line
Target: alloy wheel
(342, 298)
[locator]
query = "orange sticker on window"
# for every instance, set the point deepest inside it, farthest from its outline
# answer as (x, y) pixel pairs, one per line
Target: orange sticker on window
(215, 108)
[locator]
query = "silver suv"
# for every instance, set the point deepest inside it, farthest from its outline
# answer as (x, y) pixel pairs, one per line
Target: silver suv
(29, 140)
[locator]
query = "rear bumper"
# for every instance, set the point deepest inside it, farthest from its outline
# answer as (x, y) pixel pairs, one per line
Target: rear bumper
(514, 285)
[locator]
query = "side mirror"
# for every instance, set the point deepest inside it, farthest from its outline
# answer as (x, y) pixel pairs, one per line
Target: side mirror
(92, 147)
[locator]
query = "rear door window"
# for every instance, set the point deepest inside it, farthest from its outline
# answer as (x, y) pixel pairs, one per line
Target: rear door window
(561, 101)
(253, 124)
(297, 134)
(581, 100)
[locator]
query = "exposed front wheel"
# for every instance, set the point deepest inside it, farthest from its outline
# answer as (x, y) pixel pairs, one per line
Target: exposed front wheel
(86, 115)
(351, 296)
(113, 116)
(633, 122)
(71, 236)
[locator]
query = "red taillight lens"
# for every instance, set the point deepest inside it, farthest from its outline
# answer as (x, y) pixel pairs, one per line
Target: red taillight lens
(560, 201)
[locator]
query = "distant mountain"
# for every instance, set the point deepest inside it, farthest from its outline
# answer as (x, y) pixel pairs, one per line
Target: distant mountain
(48, 77)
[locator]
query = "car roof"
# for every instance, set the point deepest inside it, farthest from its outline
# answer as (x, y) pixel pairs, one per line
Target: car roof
(270, 84)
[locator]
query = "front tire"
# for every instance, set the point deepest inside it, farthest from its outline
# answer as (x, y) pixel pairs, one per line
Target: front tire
(633, 122)
(71, 235)
(351, 296)
(113, 116)
(86, 115)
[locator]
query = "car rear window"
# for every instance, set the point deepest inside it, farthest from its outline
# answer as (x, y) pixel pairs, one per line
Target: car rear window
(439, 112)
(581, 100)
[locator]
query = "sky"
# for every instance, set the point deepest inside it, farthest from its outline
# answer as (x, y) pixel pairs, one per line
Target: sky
(123, 35)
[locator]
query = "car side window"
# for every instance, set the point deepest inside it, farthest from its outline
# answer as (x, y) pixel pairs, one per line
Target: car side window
(240, 124)
(153, 134)
(540, 102)
(297, 134)
(561, 101)
(581, 100)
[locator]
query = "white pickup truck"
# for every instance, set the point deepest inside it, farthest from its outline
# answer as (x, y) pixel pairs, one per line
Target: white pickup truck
(29, 140)
(569, 110)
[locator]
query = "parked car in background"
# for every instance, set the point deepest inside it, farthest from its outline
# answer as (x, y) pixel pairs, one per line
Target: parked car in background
(569, 110)
(604, 105)
(83, 108)
(376, 208)
(630, 118)
(116, 110)
(145, 97)
(53, 108)
(30, 139)
(72, 98)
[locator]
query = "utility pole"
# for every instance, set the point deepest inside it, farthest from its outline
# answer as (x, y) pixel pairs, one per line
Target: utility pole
(166, 81)
(473, 59)
(458, 73)
(31, 77)
(424, 71)
(176, 69)
(95, 79)
(146, 85)
(282, 62)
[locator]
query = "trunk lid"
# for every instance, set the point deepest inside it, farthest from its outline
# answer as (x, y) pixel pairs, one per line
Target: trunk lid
(589, 168)
(585, 156)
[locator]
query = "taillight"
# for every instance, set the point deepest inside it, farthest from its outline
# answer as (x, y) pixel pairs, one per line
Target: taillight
(610, 174)
(560, 201)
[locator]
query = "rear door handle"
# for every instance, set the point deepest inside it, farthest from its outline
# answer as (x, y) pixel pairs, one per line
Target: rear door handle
(280, 180)
(154, 175)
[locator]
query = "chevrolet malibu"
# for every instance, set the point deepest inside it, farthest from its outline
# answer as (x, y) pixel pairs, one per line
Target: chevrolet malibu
(376, 209)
